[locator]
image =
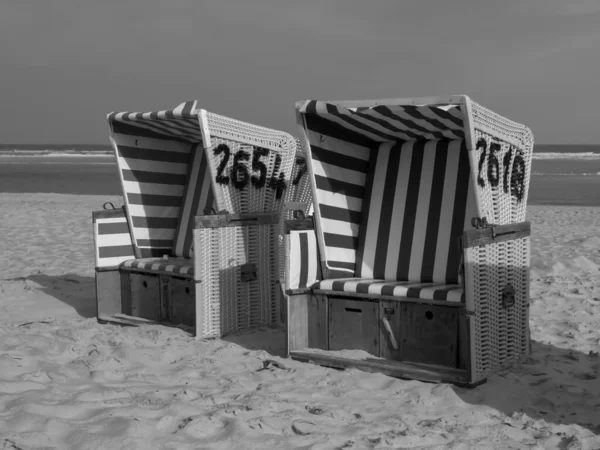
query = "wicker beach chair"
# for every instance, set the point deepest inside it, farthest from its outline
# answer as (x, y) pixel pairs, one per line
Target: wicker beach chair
(418, 252)
(197, 241)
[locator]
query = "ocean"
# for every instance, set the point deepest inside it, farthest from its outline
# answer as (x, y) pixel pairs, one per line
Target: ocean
(560, 174)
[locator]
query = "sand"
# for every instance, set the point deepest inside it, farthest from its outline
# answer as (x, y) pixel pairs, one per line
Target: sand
(67, 382)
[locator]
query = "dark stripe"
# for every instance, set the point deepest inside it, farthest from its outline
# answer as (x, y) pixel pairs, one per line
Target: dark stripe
(366, 206)
(333, 110)
(341, 214)
(154, 252)
(336, 159)
(413, 292)
(142, 176)
(340, 241)
(113, 228)
(167, 126)
(187, 108)
(363, 288)
(131, 130)
(442, 293)
(321, 125)
(115, 251)
(448, 116)
(388, 289)
(154, 222)
(384, 233)
(153, 200)
(435, 207)
(155, 243)
(303, 260)
(385, 111)
(458, 217)
(338, 286)
(148, 154)
(410, 211)
(339, 187)
(340, 265)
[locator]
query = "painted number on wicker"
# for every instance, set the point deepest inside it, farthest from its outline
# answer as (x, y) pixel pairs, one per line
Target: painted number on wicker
(239, 175)
(513, 176)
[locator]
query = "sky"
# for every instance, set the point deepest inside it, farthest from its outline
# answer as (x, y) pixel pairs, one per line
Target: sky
(65, 64)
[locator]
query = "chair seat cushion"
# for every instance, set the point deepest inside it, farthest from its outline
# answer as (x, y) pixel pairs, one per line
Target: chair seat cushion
(407, 289)
(176, 266)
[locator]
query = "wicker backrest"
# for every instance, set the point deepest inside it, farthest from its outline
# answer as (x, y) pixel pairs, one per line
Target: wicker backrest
(418, 201)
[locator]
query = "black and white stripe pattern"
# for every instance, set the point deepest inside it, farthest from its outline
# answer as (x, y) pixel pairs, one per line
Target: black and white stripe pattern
(408, 289)
(183, 267)
(302, 268)
(112, 241)
(154, 174)
(418, 202)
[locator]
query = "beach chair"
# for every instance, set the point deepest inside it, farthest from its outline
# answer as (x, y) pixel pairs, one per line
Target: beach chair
(416, 262)
(197, 240)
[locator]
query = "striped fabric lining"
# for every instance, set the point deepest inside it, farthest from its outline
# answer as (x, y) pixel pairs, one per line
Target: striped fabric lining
(303, 268)
(154, 174)
(198, 199)
(395, 123)
(339, 161)
(180, 123)
(171, 265)
(111, 238)
(417, 204)
(408, 289)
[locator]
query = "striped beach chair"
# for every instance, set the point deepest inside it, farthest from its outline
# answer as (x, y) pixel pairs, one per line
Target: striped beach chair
(196, 242)
(418, 253)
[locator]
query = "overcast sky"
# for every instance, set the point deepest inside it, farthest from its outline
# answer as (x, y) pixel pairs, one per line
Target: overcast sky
(65, 64)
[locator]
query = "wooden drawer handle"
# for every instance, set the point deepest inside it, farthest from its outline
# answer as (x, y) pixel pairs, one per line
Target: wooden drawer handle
(388, 328)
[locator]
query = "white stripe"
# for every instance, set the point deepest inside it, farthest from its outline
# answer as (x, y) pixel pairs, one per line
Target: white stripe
(114, 261)
(339, 173)
(339, 227)
(111, 220)
(447, 211)
(455, 295)
(152, 144)
(376, 288)
(154, 211)
(341, 255)
(133, 187)
(111, 240)
(321, 109)
(313, 258)
(338, 146)
(427, 112)
(399, 134)
(422, 213)
(375, 209)
(294, 261)
(96, 245)
(152, 166)
(399, 205)
(339, 200)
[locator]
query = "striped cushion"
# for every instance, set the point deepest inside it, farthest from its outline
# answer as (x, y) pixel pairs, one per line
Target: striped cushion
(111, 238)
(156, 265)
(408, 289)
(418, 201)
(302, 261)
(198, 199)
(154, 173)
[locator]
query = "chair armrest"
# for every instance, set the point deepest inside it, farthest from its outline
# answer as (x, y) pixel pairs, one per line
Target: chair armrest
(302, 268)
(112, 239)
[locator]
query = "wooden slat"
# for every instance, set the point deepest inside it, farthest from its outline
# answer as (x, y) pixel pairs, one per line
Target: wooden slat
(413, 371)
(298, 225)
(354, 325)
(307, 322)
(388, 297)
(496, 233)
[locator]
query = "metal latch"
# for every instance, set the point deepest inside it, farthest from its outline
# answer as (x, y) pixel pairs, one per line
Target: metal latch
(249, 272)
(508, 296)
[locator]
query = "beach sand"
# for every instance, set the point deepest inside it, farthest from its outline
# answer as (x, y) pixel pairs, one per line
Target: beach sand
(67, 382)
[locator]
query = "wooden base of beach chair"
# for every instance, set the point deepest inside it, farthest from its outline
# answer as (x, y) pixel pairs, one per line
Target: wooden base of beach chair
(406, 339)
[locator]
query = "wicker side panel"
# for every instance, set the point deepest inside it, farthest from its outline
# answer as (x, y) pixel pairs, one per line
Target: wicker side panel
(501, 335)
(503, 152)
(225, 303)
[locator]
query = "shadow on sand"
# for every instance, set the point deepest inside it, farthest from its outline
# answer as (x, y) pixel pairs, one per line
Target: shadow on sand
(554, 384)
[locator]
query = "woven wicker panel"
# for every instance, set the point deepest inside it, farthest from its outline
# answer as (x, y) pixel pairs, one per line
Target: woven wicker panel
(504, 150)
(501, 336)
(251, 165)
(225, 303)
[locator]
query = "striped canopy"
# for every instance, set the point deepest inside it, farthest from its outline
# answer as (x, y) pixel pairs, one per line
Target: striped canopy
(180, 123)
(383, 123)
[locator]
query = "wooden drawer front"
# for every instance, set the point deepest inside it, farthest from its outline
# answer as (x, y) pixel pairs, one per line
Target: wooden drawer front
(145, 296)
(353, 325)
(181, 308)
(423, 333)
